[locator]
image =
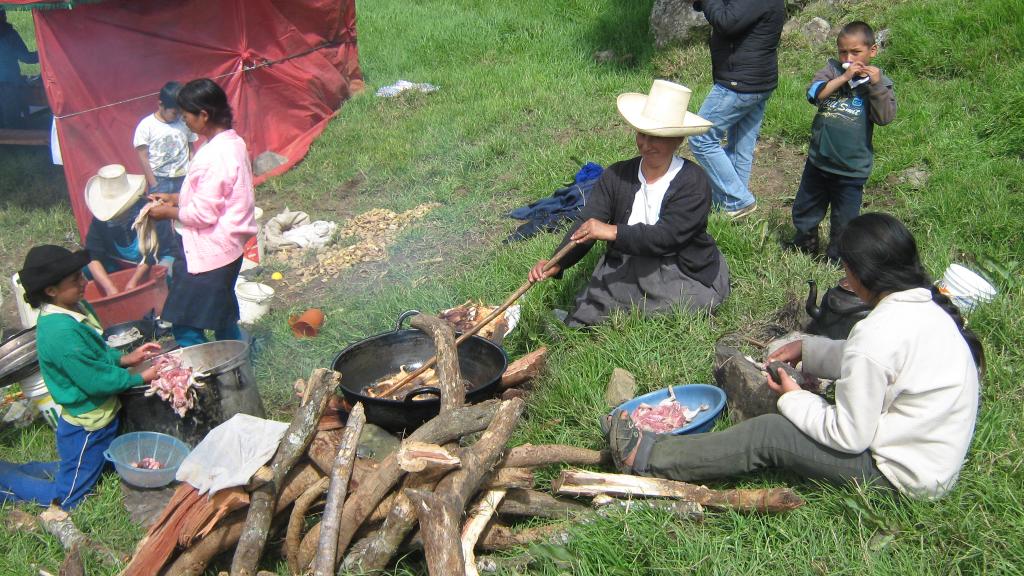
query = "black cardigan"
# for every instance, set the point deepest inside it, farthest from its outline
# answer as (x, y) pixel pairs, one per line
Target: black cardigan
(744, 42)
(682, 224)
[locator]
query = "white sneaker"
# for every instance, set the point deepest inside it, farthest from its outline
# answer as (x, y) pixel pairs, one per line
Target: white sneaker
(741, 212)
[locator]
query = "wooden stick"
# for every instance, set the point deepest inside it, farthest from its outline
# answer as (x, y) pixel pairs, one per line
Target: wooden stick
(498, 536)
(293, 535)
(293, 445)
(479, 516)
(585, 483)
(194, 560)
(682, 509)
(524, 369)
(453, 388)
(440, 512)
(534, 504)
(535, 456)
(58, 523)
(505, 478)
(439, 430)
(340, 475)
(420, 456)
(487, 320)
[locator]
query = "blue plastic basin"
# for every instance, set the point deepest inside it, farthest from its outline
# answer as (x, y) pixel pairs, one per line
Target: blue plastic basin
(135, 446)
(691, 396)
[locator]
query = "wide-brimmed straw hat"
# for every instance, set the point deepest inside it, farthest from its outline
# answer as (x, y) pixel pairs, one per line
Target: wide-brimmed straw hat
(47, 265)
(663, 112)
(112, 191)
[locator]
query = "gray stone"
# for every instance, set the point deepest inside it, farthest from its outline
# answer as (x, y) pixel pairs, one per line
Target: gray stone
(145, 505)
(376, 442)
(817, 31)
(746, 388)
(882, 38)
(915, 178)
(621, 387)
(266, 162)
(674, 21)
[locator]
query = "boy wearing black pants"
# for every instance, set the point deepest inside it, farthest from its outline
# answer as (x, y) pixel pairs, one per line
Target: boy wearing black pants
(852, 97)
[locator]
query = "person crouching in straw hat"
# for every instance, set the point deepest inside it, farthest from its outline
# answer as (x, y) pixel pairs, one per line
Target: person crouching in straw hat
(83, 375)
(115, 199)
(652, 211)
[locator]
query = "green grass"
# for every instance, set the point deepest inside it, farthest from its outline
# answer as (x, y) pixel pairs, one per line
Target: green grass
(521, 102)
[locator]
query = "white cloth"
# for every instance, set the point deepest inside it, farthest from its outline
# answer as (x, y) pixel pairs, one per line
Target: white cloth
(167, 143)
(231, 453)
(55, 154)
(313, 235)
(907, 390)
(648, 199)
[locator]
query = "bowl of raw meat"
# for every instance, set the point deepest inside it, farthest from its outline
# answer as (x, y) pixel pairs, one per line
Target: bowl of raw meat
(682, 409)
(146, 459)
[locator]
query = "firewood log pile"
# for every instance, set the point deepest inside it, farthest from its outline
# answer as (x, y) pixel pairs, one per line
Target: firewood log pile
(453, 489)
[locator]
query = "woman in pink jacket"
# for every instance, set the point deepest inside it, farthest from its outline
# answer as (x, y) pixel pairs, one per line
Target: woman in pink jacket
(214, 216)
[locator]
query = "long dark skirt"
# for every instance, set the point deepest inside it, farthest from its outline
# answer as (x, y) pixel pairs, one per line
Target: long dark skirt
(652, 284)
(206, 300)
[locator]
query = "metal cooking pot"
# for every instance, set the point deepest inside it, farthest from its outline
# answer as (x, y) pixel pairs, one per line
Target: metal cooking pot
(840, 309)
(18, 357)
(364, 363)
(228, 388)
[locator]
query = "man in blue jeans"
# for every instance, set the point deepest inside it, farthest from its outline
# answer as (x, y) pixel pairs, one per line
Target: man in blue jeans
(744, 61)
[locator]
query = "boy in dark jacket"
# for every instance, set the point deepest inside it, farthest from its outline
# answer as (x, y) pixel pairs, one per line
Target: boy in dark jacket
(744, 63)
(852, 97)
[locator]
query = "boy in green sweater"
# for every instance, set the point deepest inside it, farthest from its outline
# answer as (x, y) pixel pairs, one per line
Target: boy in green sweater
(83, 375)
(852, 97)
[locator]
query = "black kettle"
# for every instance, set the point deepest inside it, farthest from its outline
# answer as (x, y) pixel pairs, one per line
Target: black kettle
(840, 309)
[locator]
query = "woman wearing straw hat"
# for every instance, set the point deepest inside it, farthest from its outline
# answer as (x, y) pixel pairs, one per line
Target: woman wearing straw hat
(652, 211)
(215, 217)
(115, 199)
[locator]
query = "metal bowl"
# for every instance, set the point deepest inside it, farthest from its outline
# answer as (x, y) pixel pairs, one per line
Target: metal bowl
(18, 357)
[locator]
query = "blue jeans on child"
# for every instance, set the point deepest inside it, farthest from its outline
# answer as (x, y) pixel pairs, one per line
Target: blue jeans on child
(736, 116)
(819, 190)
(167, 184)
(66, 481)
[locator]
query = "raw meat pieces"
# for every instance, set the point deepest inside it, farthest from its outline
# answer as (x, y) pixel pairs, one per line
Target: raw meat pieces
(148, 464)
(173, 384)
(666, 416)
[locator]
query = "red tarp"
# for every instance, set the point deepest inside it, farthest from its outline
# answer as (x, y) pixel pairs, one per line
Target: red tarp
(98, 59)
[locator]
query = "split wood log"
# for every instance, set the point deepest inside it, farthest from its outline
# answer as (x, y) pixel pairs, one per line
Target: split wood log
(296, 520)
(537, 455)
(340, 474)
(440, 512)
(364, 500)
(58, 523)
(293, 445)
(479, 516)
(262, 475)
(194, 560)
(453, 387)
(681, 509)
(524, 369)
(324, 448)
(534, 504)
(420, 456)
(585, 483)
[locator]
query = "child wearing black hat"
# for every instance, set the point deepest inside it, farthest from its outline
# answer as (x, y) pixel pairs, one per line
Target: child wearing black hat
(83, 375)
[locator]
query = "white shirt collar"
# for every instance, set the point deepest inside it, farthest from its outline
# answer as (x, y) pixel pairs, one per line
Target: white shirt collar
(47, 309)
(648, 199)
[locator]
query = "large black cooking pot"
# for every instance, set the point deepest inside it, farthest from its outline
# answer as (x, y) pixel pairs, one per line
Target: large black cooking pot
(364, 363)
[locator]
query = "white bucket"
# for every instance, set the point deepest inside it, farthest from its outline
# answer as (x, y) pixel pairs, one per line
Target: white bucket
(253, 301)
(36, 391)
(966, 288)
(26, 314)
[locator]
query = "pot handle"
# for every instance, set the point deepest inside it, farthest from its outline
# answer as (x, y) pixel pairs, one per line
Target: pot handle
(421, 390)
(403, 317)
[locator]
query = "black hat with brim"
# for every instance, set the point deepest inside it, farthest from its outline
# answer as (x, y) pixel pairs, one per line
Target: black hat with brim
(47, 265)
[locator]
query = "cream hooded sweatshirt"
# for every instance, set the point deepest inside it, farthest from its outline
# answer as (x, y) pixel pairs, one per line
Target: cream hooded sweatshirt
(906, 389)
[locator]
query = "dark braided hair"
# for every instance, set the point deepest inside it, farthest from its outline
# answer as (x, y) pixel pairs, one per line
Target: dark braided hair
(882, 254)
(204, 94)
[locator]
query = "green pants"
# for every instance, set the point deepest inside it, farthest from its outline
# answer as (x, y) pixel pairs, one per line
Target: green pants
(765, 442)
